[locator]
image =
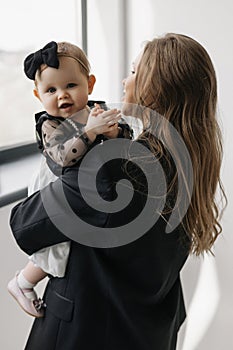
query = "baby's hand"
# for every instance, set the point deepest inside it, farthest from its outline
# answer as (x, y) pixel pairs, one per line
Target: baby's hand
(96, 110)
(113, 132)
(100, 122)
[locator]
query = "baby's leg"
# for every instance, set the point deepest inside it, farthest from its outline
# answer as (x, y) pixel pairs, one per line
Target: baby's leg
(21, 287)
(28, 278)
(33, 273)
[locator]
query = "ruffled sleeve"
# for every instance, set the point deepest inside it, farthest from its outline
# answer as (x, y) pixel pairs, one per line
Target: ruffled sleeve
(62, 147)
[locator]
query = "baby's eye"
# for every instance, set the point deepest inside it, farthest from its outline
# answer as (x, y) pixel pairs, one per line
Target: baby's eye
(51, 90)
(71, 85)
(132, 71)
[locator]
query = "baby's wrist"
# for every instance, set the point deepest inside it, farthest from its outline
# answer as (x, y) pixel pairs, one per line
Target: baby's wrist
(89, 135)
(113, 133)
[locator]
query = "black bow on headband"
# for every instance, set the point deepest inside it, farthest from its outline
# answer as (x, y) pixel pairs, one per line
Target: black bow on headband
(47, 55)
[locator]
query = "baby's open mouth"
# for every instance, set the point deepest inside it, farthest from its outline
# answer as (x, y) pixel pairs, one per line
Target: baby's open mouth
(66, 105)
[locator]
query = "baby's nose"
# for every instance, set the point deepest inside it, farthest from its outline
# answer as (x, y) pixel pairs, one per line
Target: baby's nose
(62, 94)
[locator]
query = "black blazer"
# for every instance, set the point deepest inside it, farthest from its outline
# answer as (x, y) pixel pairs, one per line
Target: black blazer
(123, 298)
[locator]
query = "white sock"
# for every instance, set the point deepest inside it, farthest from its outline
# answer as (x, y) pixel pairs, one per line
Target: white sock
(25, 284)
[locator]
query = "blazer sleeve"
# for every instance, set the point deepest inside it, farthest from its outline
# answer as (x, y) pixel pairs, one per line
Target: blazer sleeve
(31, 225)
(34, 221)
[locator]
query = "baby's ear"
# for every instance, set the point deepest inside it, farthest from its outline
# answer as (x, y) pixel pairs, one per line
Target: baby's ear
(36, 93)
(91, 83)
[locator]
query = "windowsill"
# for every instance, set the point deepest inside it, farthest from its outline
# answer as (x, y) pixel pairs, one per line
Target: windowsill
(16, 175)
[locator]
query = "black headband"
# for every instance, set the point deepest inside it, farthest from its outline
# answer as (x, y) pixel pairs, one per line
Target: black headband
(47, 55)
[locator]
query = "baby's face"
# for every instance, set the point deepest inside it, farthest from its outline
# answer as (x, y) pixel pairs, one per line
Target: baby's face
(63, 91)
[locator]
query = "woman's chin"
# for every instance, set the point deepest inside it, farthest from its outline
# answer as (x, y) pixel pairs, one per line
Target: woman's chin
(129, 108)
(126, 108)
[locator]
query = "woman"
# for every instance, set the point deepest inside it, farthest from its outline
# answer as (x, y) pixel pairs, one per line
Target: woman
(129, 296)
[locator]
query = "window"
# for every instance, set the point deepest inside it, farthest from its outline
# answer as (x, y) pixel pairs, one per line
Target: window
(26, 26)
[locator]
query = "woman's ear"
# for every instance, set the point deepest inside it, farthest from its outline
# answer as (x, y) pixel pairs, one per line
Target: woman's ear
(36, 93)
(91, 83)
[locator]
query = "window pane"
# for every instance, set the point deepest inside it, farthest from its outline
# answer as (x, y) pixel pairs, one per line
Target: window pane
(26, 26)
(106, 48)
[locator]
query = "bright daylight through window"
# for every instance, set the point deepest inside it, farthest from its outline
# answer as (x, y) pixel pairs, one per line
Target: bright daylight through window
(31, 27)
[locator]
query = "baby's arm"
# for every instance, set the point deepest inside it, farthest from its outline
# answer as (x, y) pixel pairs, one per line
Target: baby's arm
(66, 143)
(63, 151)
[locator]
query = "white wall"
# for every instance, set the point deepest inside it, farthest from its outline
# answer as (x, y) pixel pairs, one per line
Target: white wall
(105, 49)
(15, 323)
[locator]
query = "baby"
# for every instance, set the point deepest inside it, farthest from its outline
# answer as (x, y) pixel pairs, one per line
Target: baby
(65, 131)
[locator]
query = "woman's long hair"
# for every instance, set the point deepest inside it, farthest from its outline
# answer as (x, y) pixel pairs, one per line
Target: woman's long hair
(176, 78)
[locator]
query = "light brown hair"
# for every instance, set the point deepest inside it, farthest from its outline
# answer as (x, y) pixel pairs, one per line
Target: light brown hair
(176, 78)
(70, 50)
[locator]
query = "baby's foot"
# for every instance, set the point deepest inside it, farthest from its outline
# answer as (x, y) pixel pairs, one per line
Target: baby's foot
(34, 307)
